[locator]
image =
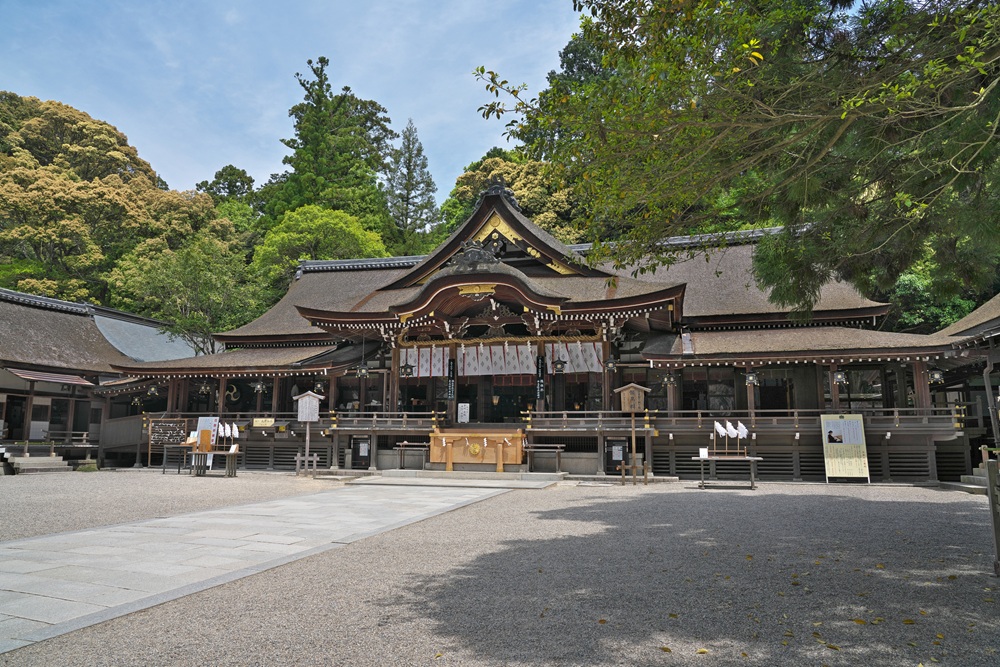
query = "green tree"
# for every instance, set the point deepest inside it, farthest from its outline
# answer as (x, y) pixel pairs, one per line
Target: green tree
(229, 183)
(199, 288)
(75, 198)
(410, 190)
(340, 146)
(310, 232)
(540, 197)
(867, 129)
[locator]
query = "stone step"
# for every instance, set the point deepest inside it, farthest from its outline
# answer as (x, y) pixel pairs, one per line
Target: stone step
(974, 489)
(975, 480)
(979, 472)
(474, 475)
(37, 464)
(35, 471)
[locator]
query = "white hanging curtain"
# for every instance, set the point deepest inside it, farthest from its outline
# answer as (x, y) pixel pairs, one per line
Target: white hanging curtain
(580, 357)
(426, 361)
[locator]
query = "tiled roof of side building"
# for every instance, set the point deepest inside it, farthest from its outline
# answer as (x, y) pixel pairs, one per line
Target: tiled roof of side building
(810, 341)
(337, 289)
(42, 331)
(56, 337)
(724, 285)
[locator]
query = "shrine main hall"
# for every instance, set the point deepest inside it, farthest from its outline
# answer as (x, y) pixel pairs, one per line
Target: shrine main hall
(505, 342)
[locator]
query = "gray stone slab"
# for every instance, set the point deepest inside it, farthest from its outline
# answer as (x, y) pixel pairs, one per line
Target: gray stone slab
(48, 610)
(68, 581)
(11, 626)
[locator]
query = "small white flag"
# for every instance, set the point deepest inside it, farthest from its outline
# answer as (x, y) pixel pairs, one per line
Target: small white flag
(236, 431)
(731, 430)
(220, 432)
(720, 429)
(742, 430)
(226, 431)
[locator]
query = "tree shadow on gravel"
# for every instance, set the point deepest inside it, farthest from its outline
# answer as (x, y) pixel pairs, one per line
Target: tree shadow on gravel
(727, 579)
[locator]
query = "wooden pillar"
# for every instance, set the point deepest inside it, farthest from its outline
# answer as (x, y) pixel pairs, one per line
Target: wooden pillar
(274, 395)
(69, 417)
(392, 401)
(834, 389)
(453, 401)
(540, 401)
(921, 385)
(221, 396)
(184, 391)
(751, 397)
(28, 406)
(172, 395)
(606, 377)
(674, 393)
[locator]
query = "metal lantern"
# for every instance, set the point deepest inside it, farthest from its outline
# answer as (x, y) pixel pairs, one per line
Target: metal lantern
(258, 386)
(611, 364)
(406, 370)
(752, 378)
(559, 365)
(840, 377)
(935, 376)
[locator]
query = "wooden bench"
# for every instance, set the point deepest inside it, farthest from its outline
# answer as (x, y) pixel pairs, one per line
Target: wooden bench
(182, 450)
(752, 460)
(200, 466)
(557, 449)
(422, 447)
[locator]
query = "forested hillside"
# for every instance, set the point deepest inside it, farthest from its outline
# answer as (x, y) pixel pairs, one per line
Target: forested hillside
(84, 218)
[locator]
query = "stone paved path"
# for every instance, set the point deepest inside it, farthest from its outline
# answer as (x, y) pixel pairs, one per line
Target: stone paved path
(58, 583)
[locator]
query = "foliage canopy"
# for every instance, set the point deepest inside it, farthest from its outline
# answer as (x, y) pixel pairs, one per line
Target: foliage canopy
(867, 129)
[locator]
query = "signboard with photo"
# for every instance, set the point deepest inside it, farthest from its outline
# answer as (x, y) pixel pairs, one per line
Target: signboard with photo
(845, 452)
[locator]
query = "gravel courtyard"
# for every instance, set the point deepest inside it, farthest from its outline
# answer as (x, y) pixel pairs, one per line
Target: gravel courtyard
(792, 574)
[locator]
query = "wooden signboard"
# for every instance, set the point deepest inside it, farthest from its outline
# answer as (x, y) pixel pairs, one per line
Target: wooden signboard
(633, 397)
(845, 452)
(308, 404)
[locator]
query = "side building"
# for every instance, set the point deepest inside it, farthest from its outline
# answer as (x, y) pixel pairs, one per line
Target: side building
(54, 357)
(505, 337)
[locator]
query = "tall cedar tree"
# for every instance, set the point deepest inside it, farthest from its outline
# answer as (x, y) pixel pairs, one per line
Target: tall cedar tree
(410, 190)
(341, 144)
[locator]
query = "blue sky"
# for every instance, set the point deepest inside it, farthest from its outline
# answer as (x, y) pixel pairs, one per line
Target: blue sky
(198, 85)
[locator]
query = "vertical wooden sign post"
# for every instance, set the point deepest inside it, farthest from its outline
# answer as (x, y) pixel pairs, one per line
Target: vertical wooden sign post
(308, 404)
(633, 399)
